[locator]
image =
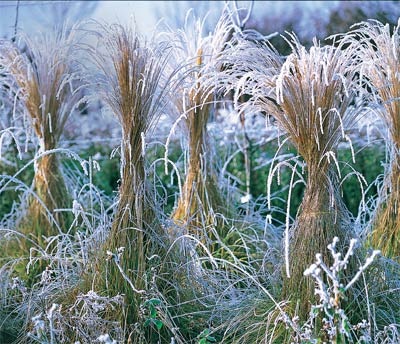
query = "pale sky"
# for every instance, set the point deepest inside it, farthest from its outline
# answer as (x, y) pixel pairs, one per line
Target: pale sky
(144, 12)
(35, 15)
(42, 15)
(124, 11)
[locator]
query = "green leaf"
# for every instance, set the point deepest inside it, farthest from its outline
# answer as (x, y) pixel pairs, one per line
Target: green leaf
(147, 322)
(211, 339)
(340, 339)
(204, 333)
(153, 312)
(153, 302)
(202, 341)
(159, 324)
(346, 326)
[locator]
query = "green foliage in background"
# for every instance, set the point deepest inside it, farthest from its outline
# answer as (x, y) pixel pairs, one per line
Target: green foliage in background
(368, 161)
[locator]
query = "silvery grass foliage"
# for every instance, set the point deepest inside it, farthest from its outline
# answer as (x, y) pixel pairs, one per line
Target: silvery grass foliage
(258, 315)
(260, 318)
(11, 130)
(201, 210)
(129, 75)
(309, 95)
(66, 256)
(50, 326)
(194, 54)
(43, 74)
(377, 49)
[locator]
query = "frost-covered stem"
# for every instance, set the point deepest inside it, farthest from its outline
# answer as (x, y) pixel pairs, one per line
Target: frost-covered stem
(287, 234)
(51, 325)
(367, 263)
(330, 290)
(116, 259)
(247, 159)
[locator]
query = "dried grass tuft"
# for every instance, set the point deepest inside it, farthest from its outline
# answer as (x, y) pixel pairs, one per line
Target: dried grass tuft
(44, 76)
(309, 95)
(201, 199)
(130, 79)
(378, 49)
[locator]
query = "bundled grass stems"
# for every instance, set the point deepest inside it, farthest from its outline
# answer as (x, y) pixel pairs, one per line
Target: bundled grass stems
(378, 50)
(129, 77)
(201, 199)
(44, 76)
(310, 96)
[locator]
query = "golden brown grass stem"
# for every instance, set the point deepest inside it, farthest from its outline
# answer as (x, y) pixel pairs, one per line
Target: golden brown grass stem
(321, 217)
(385, 234)
(49, 186)
(199, 192)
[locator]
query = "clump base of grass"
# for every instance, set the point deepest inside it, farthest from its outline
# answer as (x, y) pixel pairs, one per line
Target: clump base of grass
(322, 216)
(385, 234)
(40, 222)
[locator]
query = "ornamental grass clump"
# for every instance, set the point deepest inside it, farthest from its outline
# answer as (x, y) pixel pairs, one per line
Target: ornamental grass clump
(129, 77)
(313, 104)
(378, 50)
(309, 95)
(44, 76)
(195, 55)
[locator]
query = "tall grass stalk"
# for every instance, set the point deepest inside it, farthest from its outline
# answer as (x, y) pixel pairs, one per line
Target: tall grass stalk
(378, 49)
(130, 79)
(309, 95)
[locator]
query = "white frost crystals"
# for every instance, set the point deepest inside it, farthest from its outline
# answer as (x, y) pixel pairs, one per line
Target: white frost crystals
(331, 289)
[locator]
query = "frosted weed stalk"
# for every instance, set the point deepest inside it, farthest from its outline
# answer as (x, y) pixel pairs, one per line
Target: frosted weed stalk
(331, 290)
(261, 319)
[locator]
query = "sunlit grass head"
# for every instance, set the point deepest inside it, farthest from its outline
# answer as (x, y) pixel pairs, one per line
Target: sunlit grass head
(309, 93)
